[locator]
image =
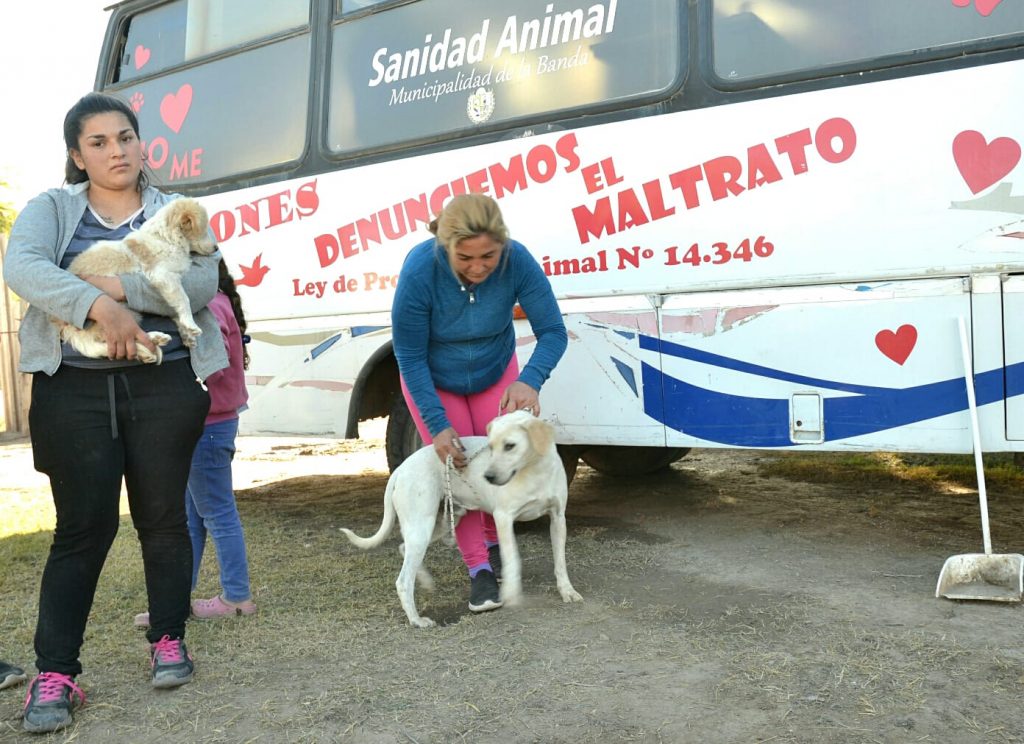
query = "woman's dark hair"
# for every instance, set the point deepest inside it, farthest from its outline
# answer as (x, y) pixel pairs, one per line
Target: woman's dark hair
(90, 105)
(226, 284)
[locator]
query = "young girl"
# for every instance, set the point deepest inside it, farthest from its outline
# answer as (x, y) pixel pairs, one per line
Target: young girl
(210, 498)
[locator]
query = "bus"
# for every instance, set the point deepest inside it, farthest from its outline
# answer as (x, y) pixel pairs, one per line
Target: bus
(763, 219)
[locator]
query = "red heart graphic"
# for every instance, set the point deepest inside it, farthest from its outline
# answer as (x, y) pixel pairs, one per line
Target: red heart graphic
(897, 346)
(984, 7)
(141, 56)
(983, 163)
(174, 107)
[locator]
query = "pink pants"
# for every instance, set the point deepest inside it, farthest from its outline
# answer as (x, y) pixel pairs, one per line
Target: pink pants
(469, 416)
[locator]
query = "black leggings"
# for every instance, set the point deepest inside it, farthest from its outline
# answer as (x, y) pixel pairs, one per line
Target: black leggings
(91, 428)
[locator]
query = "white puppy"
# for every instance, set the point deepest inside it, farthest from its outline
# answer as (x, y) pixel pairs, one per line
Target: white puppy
(514, 473)
(159, 250)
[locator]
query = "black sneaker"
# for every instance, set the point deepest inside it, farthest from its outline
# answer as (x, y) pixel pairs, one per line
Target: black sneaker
(483, 592)
(171, 662)
(494, 558)
(11, 675)
(51, 699)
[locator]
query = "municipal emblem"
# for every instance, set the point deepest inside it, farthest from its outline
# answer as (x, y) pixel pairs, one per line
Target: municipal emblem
(480, 105)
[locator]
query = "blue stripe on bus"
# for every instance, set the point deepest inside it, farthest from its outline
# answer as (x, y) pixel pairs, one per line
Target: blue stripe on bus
(740, 420)
(627, 374)
(322, 347)
(328, 343)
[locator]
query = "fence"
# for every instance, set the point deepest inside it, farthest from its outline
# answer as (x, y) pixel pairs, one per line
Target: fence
(15, 385)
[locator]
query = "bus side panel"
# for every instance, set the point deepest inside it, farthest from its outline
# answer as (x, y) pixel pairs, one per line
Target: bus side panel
(1013, 348)
(595, 394)
(871, 366)
(305, 378)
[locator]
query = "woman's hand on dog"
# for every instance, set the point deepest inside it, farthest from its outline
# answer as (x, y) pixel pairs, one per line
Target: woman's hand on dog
(122, 332)
(520, 397)
(447, 443)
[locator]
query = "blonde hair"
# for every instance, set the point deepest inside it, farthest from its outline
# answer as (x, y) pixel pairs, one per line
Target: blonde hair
(467, 216)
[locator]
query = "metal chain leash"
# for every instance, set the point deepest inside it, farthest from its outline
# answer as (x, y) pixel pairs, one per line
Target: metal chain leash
(449, 508)
(449, 499)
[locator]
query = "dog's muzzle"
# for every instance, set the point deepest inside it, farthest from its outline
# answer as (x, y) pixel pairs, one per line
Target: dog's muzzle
(495, 480)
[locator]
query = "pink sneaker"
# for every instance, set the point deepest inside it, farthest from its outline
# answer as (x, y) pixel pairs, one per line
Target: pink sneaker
(171, 663)
(220, 607)
(51, 700)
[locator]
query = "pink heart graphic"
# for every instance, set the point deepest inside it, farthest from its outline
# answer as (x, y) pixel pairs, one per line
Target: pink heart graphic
(983, 163)
(141, 56)
(897, 346)
(174, 107)
(961, 3)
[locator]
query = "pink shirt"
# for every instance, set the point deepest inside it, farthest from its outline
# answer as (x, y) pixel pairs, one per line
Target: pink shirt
(227, 386)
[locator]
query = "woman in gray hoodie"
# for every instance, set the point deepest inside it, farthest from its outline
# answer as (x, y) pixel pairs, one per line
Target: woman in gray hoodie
(96, 422)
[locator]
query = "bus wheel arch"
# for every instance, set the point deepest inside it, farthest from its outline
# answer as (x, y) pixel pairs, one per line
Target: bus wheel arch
(374, 390)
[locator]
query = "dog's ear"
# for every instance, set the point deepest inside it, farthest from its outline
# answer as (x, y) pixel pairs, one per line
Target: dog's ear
(542, 436)
(192, 219)
(488, 429)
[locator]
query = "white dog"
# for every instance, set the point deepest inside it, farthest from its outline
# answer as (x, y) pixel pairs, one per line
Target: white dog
(514, 473)
(159, 250)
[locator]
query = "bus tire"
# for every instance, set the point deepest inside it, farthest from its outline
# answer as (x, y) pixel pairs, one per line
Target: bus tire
(401, 438)
(570, 457)
(627, 461)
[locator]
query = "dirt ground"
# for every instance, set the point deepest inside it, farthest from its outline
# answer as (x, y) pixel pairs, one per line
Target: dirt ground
(721, 604)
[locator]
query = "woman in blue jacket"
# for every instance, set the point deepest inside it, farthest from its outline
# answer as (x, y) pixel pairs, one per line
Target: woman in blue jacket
(455, 345)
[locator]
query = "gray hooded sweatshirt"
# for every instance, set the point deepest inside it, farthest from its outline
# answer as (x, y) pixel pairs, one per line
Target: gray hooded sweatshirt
(41, 235)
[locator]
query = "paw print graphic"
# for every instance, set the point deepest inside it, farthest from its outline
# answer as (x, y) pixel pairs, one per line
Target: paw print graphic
(136, 101)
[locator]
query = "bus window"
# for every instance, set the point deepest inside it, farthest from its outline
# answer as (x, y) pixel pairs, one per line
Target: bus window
(441, 68)
(758, 38)
(351, 6)
(227, 116)
(184, 30)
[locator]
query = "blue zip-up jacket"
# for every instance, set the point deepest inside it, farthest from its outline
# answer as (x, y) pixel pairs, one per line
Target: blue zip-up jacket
(460, 338)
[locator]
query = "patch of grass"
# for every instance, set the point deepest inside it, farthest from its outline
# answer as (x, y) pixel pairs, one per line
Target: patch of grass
(937, 472)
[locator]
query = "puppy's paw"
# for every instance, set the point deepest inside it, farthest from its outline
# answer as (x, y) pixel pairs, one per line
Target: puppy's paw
(158, 338)
(190, 334)
(422, 622)
(148, 357)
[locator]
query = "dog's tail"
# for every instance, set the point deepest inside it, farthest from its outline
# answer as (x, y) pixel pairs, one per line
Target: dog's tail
(386, 526)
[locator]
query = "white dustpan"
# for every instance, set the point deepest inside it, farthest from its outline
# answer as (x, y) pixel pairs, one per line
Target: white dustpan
(997, 577)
